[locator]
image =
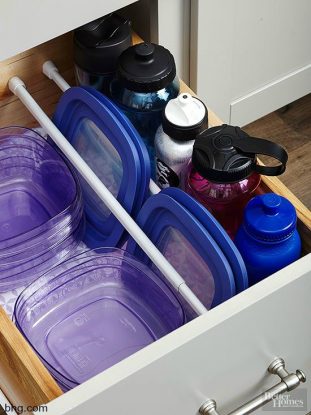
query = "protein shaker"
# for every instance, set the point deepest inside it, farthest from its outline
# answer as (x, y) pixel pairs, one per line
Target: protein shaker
(97, 47)
(145, 81)
(183, 119)
(268, 239)
(224, 173)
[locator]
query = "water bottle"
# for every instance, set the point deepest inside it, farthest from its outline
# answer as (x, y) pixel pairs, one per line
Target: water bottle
(224, 173)
(97, 46)
(145, 81)
(183, 119)
(268, 239)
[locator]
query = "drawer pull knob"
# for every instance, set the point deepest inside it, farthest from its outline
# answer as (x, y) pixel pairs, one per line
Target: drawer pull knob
(289, 381)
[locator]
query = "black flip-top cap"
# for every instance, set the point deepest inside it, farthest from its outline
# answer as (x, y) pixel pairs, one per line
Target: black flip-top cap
(146, 67)
(216, 159)
(98, 44)
(182, 133)
(227, 154)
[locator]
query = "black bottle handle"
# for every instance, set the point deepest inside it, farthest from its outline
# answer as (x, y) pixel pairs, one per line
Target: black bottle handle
(254, 145)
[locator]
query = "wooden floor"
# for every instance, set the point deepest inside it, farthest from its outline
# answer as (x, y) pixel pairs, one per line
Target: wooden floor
(291, 127)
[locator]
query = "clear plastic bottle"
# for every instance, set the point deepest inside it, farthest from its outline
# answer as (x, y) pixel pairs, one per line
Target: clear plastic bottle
(224, 173)
(226, 201)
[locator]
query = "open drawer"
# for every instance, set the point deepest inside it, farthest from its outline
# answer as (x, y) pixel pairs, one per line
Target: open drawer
(222, 355)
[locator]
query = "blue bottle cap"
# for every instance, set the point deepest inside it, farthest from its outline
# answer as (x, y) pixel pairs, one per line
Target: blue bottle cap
(270, 217)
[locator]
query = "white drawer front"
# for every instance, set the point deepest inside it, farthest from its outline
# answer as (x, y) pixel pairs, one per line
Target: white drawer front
(29, 23)
(222, 355)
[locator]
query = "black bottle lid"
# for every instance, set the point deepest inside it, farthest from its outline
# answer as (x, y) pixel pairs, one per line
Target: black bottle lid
(184, 117)
(227, 154)
(98, 44)
(146, 67)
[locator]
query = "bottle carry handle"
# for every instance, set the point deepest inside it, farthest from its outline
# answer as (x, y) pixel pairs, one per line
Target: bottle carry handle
(254, 145)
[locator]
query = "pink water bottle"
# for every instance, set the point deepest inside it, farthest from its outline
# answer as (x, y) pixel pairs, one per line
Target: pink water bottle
(224, 173)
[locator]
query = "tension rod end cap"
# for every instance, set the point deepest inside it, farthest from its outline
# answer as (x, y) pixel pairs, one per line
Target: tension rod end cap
(14, 83)
(48, 68)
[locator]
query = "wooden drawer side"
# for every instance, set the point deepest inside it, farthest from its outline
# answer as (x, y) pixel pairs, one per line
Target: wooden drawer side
(23, 378)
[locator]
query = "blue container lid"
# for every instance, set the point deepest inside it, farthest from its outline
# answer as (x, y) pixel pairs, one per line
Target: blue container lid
(98, 134)
(188, 247)
(143, 188)
(216, 231)
(270, 217)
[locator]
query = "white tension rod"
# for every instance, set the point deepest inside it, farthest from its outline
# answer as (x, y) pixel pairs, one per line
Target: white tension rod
(51, 71)
(18, 88)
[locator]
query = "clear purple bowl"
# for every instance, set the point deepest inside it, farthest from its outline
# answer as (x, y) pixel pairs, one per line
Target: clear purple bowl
(43, 241)
(23, 272)
(42, 182)
(94, 310)
(42, 218)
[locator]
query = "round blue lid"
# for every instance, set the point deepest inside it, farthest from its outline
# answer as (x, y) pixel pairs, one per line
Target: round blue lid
(270, 217)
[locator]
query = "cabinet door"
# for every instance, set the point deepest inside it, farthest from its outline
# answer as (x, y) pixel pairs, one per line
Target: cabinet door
(222, 355)
(25, 24)
(250, 57)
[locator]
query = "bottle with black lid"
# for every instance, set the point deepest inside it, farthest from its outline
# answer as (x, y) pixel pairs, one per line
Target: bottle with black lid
(145, 81)
(183, 119)
(224, 173)
(97, 47)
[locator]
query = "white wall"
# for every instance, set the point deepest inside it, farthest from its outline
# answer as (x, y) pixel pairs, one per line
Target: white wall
(250, 57)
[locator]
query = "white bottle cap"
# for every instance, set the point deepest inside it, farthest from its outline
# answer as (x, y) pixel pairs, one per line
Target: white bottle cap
(185, 110)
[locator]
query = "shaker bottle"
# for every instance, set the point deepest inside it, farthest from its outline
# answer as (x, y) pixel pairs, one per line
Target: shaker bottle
(224, 173)
(97, 46)
(183, 119)
(268, 239)
(145, 81)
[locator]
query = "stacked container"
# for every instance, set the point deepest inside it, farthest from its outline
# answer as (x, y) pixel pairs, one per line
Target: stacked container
(41, 207)
(94, 310)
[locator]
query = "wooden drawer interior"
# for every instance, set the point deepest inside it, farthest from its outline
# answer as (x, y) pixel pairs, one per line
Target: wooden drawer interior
(23, 378)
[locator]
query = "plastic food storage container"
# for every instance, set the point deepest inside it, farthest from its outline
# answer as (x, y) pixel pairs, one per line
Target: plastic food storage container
(41, 207)
(94, 310)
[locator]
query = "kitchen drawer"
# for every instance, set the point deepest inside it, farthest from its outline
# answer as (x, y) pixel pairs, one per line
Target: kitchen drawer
(222, 355)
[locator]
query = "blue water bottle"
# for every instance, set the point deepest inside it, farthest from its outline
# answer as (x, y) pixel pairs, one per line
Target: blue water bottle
(145, 81)
(268, 239)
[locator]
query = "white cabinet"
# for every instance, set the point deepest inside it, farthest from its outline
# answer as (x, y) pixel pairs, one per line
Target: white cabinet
(250, 57)
(222, 355)
(25, 24)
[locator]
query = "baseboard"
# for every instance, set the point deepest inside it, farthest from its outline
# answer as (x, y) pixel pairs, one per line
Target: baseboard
(270, 97)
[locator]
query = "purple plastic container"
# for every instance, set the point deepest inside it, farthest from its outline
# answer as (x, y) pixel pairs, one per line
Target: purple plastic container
(41, 207)
(32, 178)
(94, 310)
